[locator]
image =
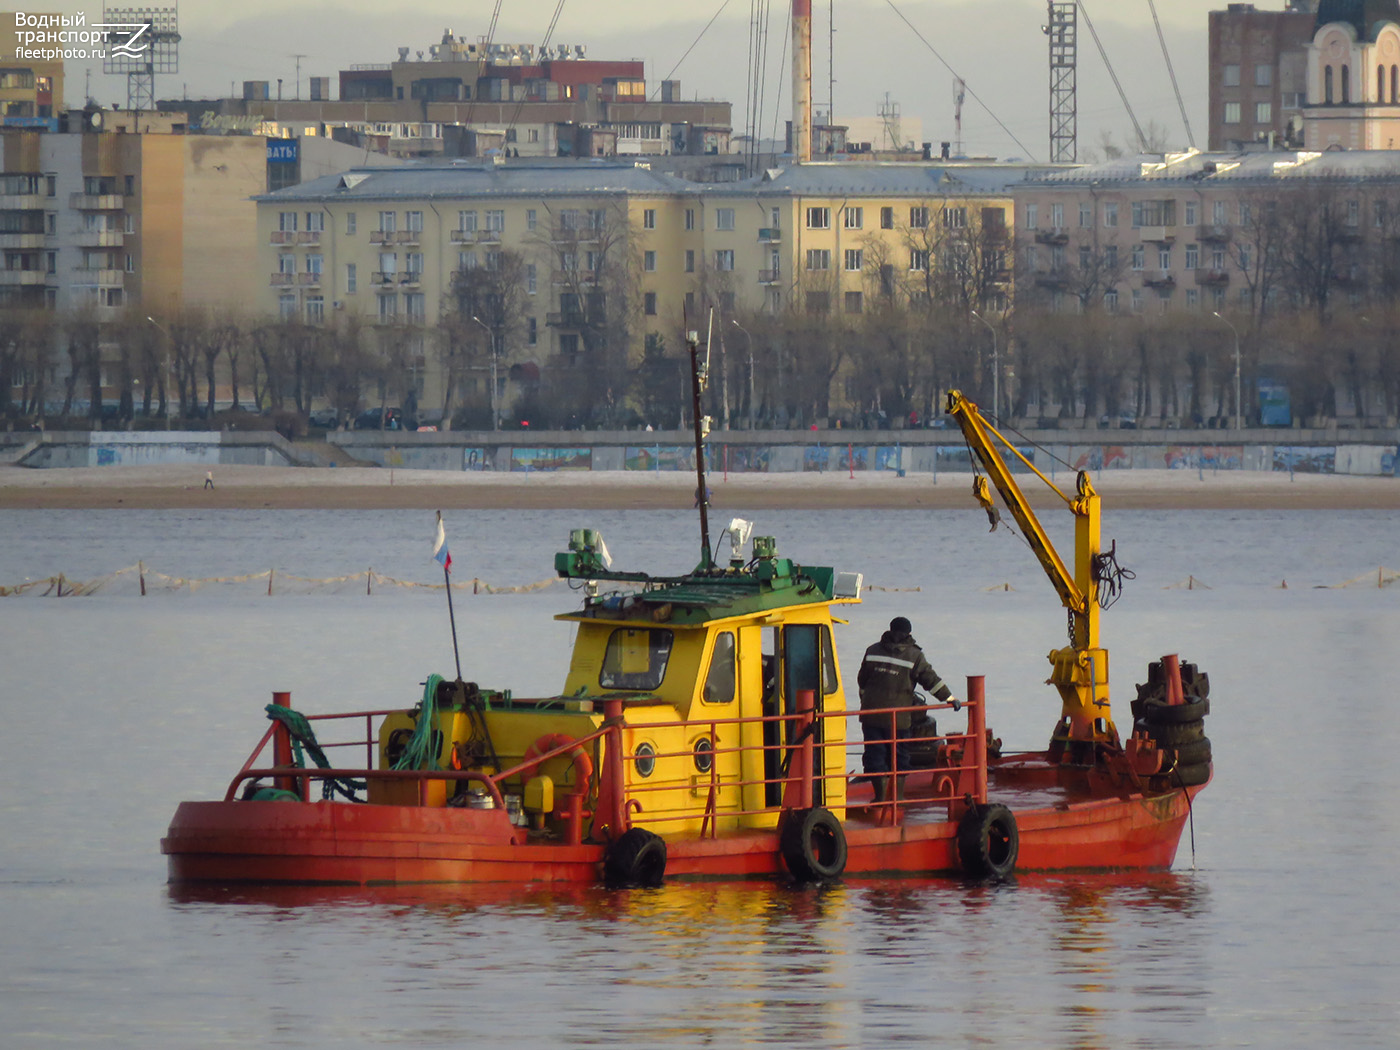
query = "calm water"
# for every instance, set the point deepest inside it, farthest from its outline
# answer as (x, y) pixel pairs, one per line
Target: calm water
(1280, 934)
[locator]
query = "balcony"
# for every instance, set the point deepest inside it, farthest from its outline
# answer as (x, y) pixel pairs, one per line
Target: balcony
(565, 319)
(381, 277)
(769, 277)
(22, 277)
(412, 278)
(100, 238)
(309, 280)
(463, 236)
(1212, 277)
(575, 277)
(489, 236)
(105, 277)
(1056, 235)
(96, 201)
(770, 235)
(309, 237)
(1057, 277)
(21, 240)
(1349, 233)
(395, 237)
(1157, 234)
(20, 201)
(573, 234)
(282, 237)
(1160, 279)
(281, 280)
(1213, 234)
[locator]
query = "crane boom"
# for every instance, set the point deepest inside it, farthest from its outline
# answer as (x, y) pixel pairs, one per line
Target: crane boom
(1080, 670)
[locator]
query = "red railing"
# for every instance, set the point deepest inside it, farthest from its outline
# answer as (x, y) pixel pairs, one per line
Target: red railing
(962, 778)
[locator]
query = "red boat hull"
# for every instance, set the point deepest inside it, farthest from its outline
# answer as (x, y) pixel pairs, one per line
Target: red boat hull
(332, 843)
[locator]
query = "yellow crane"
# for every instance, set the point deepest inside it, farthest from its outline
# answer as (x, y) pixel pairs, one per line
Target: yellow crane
(1080, 670)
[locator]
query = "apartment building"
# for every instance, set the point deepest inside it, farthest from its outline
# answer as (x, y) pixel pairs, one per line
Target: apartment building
(1258, 74)
(609, 242)
(31, 90)
(1202, 231)
(151, 222)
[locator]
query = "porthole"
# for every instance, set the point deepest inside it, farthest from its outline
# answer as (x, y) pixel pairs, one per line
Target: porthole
(645, 760)
(704, 755)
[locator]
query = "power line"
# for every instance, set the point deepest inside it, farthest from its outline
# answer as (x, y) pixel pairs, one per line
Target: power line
(933, 51)
(1190, 138)
(1142, 139)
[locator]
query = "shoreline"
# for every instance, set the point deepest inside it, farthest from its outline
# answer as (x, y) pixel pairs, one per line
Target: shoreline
(170, 487)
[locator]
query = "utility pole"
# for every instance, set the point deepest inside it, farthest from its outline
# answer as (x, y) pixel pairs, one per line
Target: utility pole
(996, 368)
(1236, 333)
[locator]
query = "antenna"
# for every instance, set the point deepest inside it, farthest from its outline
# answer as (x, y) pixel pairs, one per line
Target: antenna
(298, 87)
(1064, 59)
(140, 42)
(889, 113)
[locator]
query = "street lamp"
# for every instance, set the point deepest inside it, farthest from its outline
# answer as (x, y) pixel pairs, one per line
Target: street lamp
(996, 368)
(749, 339)
(1236, 333)
(491, 338)
(165, 360)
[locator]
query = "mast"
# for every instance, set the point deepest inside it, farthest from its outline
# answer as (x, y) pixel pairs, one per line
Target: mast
(702, 494)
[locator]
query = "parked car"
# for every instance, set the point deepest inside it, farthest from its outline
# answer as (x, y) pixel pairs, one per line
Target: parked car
(324, 417)
(369, 419)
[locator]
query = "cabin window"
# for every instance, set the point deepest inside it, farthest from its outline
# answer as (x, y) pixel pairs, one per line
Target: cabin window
(646, 759)
(635, 659)
(829, 681)
(719, 683)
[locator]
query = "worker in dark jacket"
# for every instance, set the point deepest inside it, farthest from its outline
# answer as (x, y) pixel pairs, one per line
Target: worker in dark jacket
(888, 674)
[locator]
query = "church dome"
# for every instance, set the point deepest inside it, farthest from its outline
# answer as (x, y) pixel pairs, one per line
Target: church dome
(1362, 15)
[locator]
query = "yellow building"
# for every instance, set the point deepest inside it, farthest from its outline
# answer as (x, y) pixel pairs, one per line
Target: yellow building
(609, 249)
(31, 87)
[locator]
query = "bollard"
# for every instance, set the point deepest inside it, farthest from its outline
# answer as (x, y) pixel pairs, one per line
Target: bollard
(282, 751)
(977, 730)
(1171, 668)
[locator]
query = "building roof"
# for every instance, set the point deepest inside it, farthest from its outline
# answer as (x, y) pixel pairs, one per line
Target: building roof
(577, 178)
(1232, 166)
(1365, 16)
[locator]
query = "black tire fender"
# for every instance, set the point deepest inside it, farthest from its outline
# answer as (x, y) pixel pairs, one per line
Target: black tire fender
(1170, 735)
(813, 845)
(1193, 753)
(988, 842)
(1162, 713)
(637, 858)
(1190, 776)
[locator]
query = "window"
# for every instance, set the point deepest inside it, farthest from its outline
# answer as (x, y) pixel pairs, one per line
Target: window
(466, 260)
(649, 261)
(1137, 300)
(315, 221)
(1230, 74)
(1137, 257)
(1086, 216)
(466, 221)
(855, 218)
(649, 303)
(649, 219)
(1110, 257)
(1190, 213)
(1110, 301)
(388, 263)
(532, 332)
(350, 223)
(1244, 257)
(315, 263)
(287, 221)
(918, 217)
(724, 218)
(818, 259)
(388, 308)
(531, 218)
(886, 218)
(1084, 257)
(818, 302)
(413, 263)
(690, 260)
(918, 259)
(1217, 259)
(1193, 297)
(1378, 214)
(496, 221)
(413, 221)
(724, 259)
(388, 221)
(351, 279)
(955, 218)
(855, 259)
(287, 307)
(1263, 76)
(1110, 213)
(1164, 258)
(1263, 112)
(286, 263)
(1032, 216)
(415, 307)
(719, 681)
(1232, 113)
(1218, 214)
(1193, 257)
(635, 658)
(597, 219)
(1057, 216)
(1032, 257)
(690, 218)
(315, 309)
(531, 279)
(818, 219)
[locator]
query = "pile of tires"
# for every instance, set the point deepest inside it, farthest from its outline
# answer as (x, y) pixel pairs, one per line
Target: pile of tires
(1178, 729)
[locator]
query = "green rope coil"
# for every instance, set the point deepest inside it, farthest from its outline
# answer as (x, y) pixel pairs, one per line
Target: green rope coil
(419, 752)
(299, 729)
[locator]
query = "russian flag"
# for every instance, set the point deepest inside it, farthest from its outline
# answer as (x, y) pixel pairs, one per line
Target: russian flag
(440, 551)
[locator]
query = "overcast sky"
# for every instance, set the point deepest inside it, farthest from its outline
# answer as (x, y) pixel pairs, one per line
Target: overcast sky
(998, 48)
